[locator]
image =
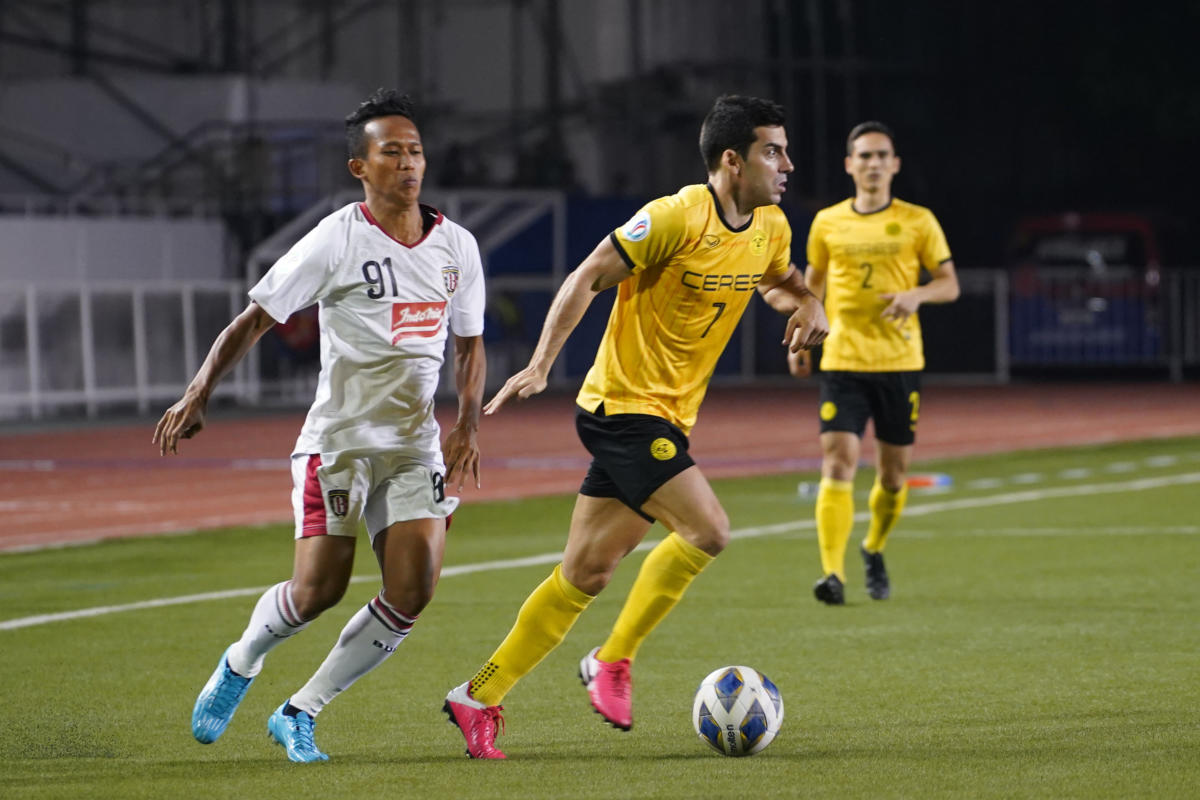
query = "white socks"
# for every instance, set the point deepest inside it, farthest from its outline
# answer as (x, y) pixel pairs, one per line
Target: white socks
(273, 620)
(368, 639)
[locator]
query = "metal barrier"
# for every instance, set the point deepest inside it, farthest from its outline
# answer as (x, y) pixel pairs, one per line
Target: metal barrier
(1183, 326)
(90, 348)
(77, 349)
(1113, 319)
(1081, 318)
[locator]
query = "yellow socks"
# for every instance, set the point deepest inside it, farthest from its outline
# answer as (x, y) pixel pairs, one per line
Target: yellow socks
(885, 511)
(550, 611)
(835, 518)
(665, 574)
(544, 619)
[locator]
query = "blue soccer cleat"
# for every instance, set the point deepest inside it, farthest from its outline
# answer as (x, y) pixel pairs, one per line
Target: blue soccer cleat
(218, 700)
(295, 734)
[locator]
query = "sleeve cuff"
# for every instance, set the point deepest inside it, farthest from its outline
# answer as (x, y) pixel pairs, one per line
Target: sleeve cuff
(612, 237)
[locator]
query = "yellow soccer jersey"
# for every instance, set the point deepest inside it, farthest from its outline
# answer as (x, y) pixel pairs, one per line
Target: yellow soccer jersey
(693, 276)
(865, 255)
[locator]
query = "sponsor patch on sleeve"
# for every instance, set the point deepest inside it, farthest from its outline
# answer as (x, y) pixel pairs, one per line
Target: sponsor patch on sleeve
(637, 228)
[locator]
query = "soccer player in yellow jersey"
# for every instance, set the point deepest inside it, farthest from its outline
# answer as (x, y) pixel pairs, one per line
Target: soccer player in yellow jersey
(865, 257)
(685, 267)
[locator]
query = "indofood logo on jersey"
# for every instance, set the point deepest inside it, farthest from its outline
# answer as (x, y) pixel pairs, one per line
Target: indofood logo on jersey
(637, 228)
(417, 320)
(450, 275)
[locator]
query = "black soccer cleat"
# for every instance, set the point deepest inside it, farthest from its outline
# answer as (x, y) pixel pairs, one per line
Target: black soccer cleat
(878, 585)
(829, 590)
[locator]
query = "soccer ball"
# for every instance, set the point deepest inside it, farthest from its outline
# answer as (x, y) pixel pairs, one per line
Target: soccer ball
(737, 711)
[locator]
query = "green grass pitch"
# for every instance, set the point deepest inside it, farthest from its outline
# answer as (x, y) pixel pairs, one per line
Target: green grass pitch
(1041, 641)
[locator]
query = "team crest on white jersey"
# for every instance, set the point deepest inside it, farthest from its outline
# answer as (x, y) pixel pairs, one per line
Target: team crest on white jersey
(450, 275)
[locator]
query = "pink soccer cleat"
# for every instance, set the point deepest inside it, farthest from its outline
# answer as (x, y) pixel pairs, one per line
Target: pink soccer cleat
(610, 688)
(478, 723)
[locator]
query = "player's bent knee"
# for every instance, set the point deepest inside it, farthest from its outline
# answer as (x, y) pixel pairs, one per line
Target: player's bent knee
(593, 585)
(839, 458)
(589, 580)
(839, 468)
(412, 600)
(712, 538)
(589, 576)
(311, 601)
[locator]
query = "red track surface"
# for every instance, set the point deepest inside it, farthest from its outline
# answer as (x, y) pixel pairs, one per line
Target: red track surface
(96, 482)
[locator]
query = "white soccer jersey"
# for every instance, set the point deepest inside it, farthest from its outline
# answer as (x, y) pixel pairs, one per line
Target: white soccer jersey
(384, 309)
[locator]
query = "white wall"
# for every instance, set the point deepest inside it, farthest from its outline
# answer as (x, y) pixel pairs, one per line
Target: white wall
(48, 250)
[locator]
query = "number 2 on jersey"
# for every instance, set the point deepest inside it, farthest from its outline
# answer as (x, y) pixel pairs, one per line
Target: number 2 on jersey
(720, 307)
(867, 268)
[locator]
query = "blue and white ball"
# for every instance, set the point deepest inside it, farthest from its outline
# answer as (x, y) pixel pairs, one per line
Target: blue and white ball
(737, 711)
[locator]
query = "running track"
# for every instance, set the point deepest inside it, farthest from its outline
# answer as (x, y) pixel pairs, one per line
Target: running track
(91, 482)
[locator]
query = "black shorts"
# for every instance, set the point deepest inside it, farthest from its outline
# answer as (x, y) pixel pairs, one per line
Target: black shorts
(632, 455)
(891, 399)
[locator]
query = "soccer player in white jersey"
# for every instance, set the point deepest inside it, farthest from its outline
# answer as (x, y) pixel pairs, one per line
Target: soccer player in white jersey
(389, 275)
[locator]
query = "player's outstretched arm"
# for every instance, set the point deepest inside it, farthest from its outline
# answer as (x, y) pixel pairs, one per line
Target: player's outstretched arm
(461, 449)
(186, 418)
(807, 325)
(599, 271)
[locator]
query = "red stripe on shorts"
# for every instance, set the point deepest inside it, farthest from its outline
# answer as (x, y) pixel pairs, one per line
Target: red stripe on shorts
(314, 500)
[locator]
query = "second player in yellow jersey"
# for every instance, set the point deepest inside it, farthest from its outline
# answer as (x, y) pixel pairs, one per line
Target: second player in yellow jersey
(867, 256)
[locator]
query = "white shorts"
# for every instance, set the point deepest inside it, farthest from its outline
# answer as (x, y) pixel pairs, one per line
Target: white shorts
(380, 489)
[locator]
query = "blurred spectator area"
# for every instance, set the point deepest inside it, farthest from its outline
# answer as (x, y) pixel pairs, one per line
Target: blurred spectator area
(156, 157)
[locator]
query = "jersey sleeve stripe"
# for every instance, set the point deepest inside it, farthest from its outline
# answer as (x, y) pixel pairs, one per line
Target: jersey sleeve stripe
(612, 237)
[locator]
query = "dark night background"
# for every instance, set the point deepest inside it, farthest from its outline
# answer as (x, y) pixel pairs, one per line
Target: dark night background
(1011, 109)
(1002, 110)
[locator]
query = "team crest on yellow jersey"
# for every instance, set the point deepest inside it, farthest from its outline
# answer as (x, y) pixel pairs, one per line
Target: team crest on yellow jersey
(758, 243)
(662, 449)
(892, 229)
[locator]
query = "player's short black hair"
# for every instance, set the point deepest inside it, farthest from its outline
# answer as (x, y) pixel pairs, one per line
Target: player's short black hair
(870, 126)
(730, 125)
(381, 103)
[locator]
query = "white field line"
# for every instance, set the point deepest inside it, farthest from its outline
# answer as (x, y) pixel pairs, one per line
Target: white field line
(1118, 530)
(1028, 496)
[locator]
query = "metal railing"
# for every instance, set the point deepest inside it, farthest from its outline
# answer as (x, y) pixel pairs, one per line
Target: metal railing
(80, 349)
(1112, 320)
(87, 349)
